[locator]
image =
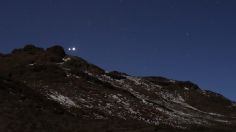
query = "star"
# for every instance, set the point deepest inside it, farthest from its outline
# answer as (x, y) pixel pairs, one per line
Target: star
(72, 49)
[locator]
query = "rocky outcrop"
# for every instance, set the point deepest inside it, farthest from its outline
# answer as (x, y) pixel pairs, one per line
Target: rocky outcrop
(55, 88)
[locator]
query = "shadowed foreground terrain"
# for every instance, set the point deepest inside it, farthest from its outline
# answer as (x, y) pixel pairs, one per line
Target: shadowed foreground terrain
(48, 90)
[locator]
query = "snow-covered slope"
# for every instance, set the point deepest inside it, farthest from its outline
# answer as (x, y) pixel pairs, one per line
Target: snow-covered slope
(86, 90)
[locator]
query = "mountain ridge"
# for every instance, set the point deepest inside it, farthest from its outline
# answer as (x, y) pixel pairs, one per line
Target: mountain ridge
(87, 92)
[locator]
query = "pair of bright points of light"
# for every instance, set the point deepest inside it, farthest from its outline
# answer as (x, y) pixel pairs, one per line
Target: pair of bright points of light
(72, 49)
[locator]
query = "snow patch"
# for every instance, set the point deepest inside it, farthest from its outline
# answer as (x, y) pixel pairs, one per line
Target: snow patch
(68, 74)
(99, 116)
(174, 98)
(66, 59)
(108, 105)
(63, 100)
(131, 111)
(172, 81)
(116, 98)
(120, 81)
(178, 99)
(158, 86)
(60, 63)
(32, 64)
(87, 72)
(82, 100)
(136, 80)
(189, 115)
(215, 114)
(185, 88)
(223, 121)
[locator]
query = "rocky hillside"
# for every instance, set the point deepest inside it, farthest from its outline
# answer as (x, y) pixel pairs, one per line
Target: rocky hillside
(48, 90)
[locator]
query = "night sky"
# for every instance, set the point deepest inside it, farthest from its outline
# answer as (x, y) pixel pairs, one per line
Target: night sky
(180, 39)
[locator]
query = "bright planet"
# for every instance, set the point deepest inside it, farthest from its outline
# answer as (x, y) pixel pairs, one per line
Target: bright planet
(72, 49)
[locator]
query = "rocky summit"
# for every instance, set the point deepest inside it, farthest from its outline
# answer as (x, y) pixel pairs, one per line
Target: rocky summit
(46, 90)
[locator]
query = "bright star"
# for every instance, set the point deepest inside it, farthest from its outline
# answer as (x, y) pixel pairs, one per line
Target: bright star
(72, 49)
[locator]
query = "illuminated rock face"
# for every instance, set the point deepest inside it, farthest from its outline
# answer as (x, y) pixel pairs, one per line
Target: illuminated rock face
(71, 90)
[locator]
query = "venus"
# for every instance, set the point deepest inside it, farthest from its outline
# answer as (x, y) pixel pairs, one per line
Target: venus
(72, 49)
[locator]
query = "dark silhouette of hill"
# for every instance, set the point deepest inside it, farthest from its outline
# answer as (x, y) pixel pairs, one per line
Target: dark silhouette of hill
(48, 90)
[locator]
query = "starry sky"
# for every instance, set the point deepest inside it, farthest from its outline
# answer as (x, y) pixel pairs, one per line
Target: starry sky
(180, 39)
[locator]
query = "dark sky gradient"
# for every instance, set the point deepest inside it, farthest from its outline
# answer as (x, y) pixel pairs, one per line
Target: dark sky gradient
(180, 39)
